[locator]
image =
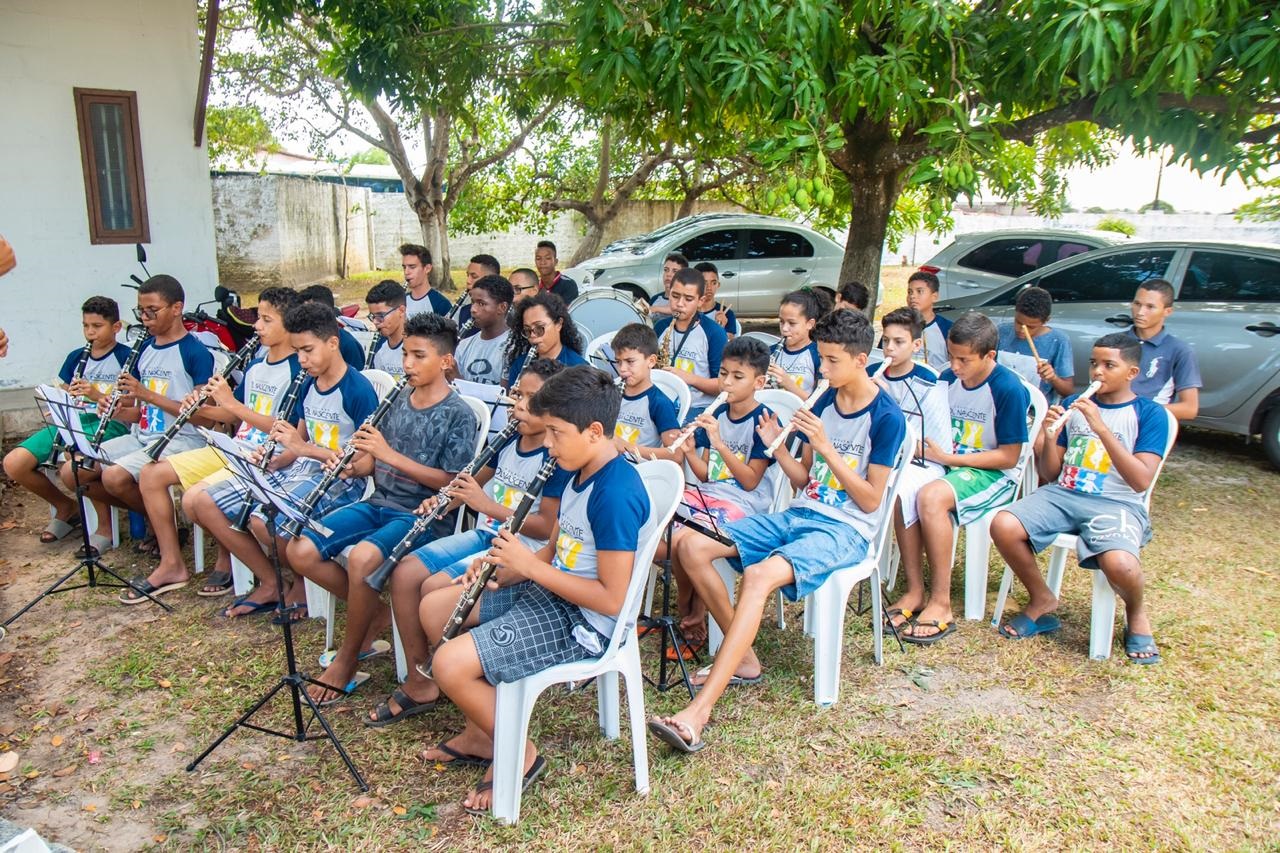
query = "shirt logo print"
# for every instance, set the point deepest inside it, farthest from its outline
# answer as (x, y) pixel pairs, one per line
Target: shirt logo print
(1153, 367)
(567, 551)
(153, 417)
(626, 432)
(967, 435)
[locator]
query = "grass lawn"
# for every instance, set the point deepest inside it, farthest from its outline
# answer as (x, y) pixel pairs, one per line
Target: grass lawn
(977, 743)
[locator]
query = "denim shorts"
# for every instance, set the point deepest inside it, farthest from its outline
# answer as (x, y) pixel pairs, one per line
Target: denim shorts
(297, 481)
(814, 544)
(1100, 524)
(362, 522)
(453, 554)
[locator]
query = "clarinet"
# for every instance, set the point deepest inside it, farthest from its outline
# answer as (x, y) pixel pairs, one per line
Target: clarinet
(465, 328)
(770, 380)
(378, 577)
(471, 593)
(113, 402)
(373, 348)
(293, 528)
(81, 363)
(237, 361)
(287, 404)
(457, 303)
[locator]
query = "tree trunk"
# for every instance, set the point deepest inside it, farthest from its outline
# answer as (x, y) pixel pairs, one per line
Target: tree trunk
(590, 245)
(874, 191)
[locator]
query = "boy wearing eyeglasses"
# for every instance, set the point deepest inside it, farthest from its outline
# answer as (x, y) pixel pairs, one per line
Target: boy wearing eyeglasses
(386, 301)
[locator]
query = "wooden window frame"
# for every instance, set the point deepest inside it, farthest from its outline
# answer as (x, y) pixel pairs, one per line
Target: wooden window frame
(98, 232)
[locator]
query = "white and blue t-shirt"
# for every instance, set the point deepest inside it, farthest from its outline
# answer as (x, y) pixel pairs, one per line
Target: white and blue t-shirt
(331, 416)
(433, 302)
(264, 386)
(643, 419)
(1053, 346)
(742, 440)
(173, 370)
(604, 513)
(480, 359)
(935, 343)
(698, 350)
(389, 358)
(1140, 425)
(922, 399)
(101, 373)
(991, 414)
(567, 357)
(802, 366)
(349, 347)
(872, 435)
(513, 473)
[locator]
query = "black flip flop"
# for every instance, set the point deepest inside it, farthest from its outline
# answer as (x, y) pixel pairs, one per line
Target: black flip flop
(461, 759)
(129, 595)
(216, 585)
(671, 736)
(539, 766)
(945, 629)
(408, 708)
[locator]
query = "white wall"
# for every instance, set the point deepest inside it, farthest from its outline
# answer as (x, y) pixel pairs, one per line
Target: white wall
(48, 47)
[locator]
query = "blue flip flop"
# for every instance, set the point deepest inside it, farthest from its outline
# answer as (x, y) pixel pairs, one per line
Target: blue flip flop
(1021, 627)
(255, 607)
(1137, 644)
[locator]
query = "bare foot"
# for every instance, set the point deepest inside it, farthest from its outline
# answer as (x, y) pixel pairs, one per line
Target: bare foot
(335, 678)
(481, 797)
(925, 627)
(468, 743)
(745, 670)
(904, 609)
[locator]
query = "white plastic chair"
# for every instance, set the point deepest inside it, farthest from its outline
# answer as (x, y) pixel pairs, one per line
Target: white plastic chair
(1103, 610)
(663, 483)
(382, 381)
(768, 339)
(90, 514)
(977, 550)
(828, 603)
(676, 390)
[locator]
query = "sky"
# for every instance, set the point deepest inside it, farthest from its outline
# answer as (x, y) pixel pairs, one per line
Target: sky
(1130, 182)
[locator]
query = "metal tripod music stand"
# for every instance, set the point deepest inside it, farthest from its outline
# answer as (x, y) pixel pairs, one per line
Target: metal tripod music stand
(66, 418)
(671, 635)
(294, 680)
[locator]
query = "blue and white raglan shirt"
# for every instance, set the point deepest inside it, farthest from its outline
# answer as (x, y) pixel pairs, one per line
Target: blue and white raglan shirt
(922, 399)
(433, 302)
(643, 419)
(802, 366)
(389, 358)
(173, 370)
(697, 350)
(265, 384)
(731, 325)
(991, 414)
(872, 435)
(1140, 425)
(742, 440)
(480, 359)
(101, 373)
(1053, 346)
(603, 513)
(1168, 366)
(513, 473)
(935, 343)
(349, 347)
(567, 357)
(331, 417)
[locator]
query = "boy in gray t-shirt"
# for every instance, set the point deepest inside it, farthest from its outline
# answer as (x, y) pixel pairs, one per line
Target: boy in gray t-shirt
(425, 439)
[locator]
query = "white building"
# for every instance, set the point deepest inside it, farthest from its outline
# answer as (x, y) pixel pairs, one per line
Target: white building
(78, 79)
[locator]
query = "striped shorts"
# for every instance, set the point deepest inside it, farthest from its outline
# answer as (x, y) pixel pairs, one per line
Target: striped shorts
(978, 491)
(297, 481)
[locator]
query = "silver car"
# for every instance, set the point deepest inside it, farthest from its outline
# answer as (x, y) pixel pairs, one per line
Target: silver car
(760, 258)
(1227, 309)
(983, 260)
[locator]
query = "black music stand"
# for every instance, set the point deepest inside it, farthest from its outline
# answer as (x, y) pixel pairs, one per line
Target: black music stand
(671, 635)
(63, 414)
(274, 504)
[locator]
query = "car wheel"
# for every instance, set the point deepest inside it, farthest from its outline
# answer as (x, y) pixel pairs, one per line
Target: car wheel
(1271, 435)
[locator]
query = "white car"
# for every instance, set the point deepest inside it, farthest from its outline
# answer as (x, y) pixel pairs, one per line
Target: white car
(984, 260)
(760, 259)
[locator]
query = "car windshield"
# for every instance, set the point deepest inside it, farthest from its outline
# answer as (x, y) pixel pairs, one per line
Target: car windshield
(640, 244)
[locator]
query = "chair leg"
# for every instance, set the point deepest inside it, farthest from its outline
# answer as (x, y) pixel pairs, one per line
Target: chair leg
(607, 703)
(714, 635)
(320, 605)
(1102, 619)
(241, 577)
(510, 732)
(877, 619)
(648, 595)
(115, 526)
(828, 618)
(1002, 597)
(402, 664)
(977, 557)
(1057, 568)
(889, 563)
(782, 613)
(197, 548)
(629, 661)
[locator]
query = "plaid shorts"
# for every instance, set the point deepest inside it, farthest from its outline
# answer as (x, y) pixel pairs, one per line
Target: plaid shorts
(525, 629)
(297, 481)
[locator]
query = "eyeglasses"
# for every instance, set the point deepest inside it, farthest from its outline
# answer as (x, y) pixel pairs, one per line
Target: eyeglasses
(141, 314)
(379, 316)
(529, 288)
(535, 331)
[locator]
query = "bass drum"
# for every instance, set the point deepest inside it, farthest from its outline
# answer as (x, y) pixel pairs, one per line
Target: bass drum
(604, 311)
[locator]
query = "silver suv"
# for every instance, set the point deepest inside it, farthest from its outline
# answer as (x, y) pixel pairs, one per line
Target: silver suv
(1228, 310)
(760, 258)
(983, 260)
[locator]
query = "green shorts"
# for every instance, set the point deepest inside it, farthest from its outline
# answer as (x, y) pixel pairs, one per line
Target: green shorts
(40, 445)
(979, 491)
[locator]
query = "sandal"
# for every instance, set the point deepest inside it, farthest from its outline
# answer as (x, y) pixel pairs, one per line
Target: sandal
(943, 629)
(133, 594)
(456, 757)
(1141, 644)
(672, 733)
(535, 771)
(408, 708)
(57, 530)
(98, 545)
(217, 584)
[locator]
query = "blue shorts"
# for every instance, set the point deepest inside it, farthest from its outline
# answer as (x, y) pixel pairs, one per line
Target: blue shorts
(812, 543)
(362, 522)
(297, 481)
(453, 554)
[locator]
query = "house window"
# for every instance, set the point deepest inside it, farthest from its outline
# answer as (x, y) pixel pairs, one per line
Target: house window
(111, 155)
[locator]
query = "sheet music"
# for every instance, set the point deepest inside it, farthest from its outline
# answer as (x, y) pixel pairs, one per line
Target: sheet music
(254, 479)
(491, 396)
(64, 411)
